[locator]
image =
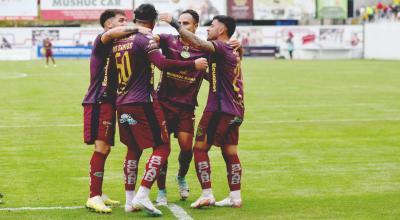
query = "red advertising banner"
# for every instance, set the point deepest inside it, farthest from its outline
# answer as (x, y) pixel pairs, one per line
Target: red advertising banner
(81, 9)
(241, 9)
(70, 15)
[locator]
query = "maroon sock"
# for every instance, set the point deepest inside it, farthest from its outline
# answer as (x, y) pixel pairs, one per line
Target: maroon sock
(154, 165)
(203, 167)
(162, 178)
(234, 171)
(185, 157)
(96, 173)
(131, 168)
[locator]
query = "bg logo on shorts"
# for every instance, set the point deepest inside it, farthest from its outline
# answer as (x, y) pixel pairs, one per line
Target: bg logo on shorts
(127, 118)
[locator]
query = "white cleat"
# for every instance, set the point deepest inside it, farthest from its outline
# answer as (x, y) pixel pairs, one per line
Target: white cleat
(96, 204)
(229, 202)
(146, 205)
(130, 208)
(203, 201)
(183, 187)
(162, 198)
(109, 202)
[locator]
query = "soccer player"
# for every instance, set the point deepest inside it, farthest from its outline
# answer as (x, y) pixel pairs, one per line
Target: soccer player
(224, 112)
(47, 45)
(177, 93)
(140, 118)
(99, 106)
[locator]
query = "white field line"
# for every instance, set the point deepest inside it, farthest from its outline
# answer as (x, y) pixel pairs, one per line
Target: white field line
(246, 122)
(41, 208)
(12, 75)
(178, 211)
(266, 106)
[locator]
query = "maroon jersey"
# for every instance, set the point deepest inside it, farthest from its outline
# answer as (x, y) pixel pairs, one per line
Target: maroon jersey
(183, 86)
(226, 81)
(133, 58)
(99, 79)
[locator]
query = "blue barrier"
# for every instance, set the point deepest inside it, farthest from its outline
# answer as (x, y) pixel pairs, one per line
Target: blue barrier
(67, 51)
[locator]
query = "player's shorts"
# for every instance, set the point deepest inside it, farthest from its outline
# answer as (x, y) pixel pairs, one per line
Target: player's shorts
(142, 125)
(49, 53)
(99, 123)
(220, 128)
(180, 118)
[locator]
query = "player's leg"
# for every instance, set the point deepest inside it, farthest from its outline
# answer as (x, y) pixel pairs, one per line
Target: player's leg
(151, 131)
(234, 174)
(47, 61)
(185, 141)
(99, 127)
(131, 165)
(204, 139)
(153, 167)
(203, 171)
(161, 183)
(52, 59)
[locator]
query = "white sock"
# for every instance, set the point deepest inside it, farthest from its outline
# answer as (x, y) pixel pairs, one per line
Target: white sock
(129, 196)
(235, 195)
(143, 192)
(207, 192)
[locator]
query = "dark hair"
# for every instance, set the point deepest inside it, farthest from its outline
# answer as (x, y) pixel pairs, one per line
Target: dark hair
(145, 13)
(193, 13)
(109, 13)
(229, 23)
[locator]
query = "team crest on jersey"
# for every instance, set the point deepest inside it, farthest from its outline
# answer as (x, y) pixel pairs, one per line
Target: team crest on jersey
(127, 118)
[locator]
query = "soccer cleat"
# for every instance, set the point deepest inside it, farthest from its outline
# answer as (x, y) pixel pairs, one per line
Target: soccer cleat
(96, 204)
(130, 208)
(146, 205)
(109, 202)
(203, 201)
(162, 198)
(229, 202)
(183, 187)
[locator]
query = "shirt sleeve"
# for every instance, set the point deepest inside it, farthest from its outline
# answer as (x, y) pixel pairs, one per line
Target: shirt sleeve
(98, 46)
(219, 46)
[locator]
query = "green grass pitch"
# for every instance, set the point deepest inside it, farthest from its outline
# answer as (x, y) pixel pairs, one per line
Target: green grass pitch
(320, 140)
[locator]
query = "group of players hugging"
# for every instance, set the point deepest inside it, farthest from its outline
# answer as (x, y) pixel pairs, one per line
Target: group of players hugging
(122, 89)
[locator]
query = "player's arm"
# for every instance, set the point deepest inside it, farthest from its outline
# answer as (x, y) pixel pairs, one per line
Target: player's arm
(188, 36)
(162, 63)
(123, 31)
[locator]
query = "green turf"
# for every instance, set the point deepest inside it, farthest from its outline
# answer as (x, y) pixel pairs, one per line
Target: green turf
(320, 140)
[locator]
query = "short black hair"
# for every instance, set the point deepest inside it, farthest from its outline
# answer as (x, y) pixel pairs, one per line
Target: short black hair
(145, 13)
(193, 13)
(229, 23)
(109, 13)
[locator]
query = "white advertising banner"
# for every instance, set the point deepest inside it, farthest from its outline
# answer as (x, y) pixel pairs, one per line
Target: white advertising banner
(207, 9)
(18, 9)
(284, 9)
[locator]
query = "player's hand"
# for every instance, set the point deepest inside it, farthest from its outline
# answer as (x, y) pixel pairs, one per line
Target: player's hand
(201, 64)
(166, 17)
(234, 43)
(144, 30)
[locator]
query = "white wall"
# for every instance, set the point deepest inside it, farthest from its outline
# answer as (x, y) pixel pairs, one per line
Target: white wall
(382, 41)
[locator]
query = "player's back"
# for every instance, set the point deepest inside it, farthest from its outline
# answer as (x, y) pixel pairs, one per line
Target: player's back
(134, 70)
(226, 81)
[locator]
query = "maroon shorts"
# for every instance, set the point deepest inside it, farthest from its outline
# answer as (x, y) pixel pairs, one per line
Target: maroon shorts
(99, 123)
(179, 118)
(142, 125)
(49, 53)
(220, 128)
